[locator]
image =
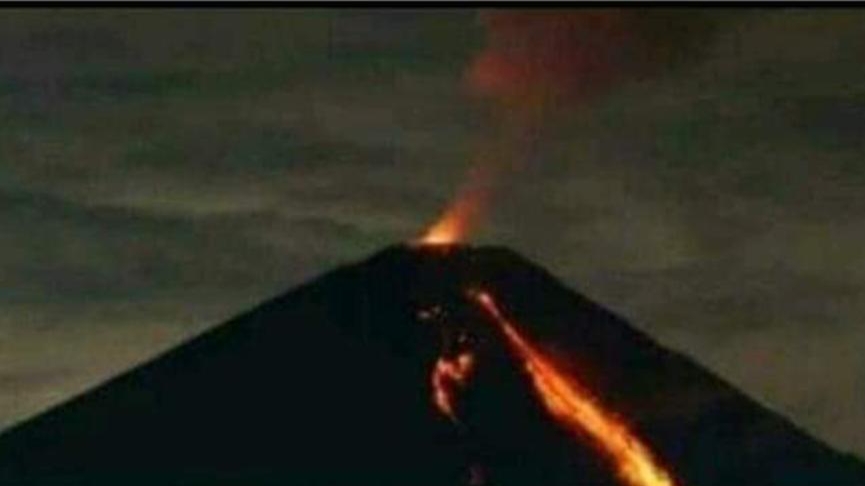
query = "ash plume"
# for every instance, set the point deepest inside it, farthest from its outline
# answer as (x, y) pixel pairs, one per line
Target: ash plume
(538, 63)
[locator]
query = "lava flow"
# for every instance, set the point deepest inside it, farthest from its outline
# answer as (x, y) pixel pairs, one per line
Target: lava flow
(446, 374)
(574, 406)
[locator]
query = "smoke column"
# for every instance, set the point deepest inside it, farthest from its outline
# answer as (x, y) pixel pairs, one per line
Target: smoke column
(538, 62)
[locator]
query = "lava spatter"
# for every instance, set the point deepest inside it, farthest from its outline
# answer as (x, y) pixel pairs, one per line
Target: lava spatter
(448, 374)
(453, 367)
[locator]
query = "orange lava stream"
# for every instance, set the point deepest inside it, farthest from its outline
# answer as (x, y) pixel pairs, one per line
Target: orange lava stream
(579, 410)
(446, 374)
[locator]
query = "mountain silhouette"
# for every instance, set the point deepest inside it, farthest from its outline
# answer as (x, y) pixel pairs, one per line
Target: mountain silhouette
(329, 384)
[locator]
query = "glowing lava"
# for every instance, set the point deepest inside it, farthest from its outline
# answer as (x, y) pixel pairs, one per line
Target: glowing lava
(574, 406)
(447, 374)
(467, 207)
(449, 229)
(454, 224)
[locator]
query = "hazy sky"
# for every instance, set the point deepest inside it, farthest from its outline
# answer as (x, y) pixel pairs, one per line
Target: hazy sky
(161, 171)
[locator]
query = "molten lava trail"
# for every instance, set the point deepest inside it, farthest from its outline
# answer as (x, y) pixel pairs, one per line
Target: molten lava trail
(574, 406)
(447, 374)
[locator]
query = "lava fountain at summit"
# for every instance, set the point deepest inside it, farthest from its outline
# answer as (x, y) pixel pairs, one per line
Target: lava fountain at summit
(465, 210)
(453, 225)
(579, 410)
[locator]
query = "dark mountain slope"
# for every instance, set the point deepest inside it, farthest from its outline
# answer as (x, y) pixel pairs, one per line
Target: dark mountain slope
(330, 384)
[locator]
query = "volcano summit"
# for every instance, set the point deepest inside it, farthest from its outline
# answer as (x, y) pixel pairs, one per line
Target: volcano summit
(440, 365)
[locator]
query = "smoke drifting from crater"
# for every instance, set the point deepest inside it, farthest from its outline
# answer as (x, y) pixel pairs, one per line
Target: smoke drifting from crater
(537, 62)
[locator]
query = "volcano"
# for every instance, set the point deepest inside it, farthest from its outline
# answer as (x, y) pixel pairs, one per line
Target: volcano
(388, 372)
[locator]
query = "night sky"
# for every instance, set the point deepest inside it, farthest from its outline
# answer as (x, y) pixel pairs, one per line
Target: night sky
(161, 171)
